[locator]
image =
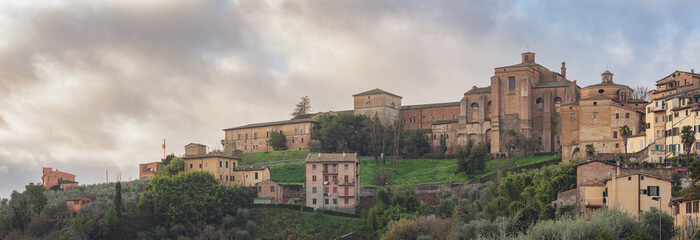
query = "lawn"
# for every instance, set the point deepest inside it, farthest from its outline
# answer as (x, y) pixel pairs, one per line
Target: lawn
(279, 220)
(271, 156)
(410, 171)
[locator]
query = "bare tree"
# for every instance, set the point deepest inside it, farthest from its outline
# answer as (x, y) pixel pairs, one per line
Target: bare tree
(303, 107)
(641, 92)
(397, 132)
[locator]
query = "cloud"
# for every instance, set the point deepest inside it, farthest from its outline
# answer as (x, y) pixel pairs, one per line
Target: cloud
(3, 169)
(91, 86)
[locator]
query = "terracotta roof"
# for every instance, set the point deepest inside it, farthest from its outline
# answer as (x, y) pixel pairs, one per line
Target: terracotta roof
(305, 116)
(479, 90)
(637, 101)
(196, 144)
(682, 199)
(643, 174)
(526, 64)
(332, 157)
(375, 91)
(265, 124)
(551, 84)
(592, 161)
(608, 84)
(252, 168)
(209, 156)
(674, 72)
(599, 97)
(430, 105)
(607, 72)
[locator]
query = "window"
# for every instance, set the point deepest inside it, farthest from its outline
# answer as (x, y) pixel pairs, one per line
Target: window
(221, 164)
(346, 178)
(557, 100)
(615, 134)
(226, 164)
(302, 140)
(239, 136)
(346, 201)
(256, 175)
(326, 201)
(221, 177)
(573, 116)
(325, 178)
(369, 104)
(688, 207)
(617, 116)
(617, 145)
(190, 166)
(539, 101)
(695, 206)
(314, 201)
(627, 115)
(259, 188)
(313, 166)
(335, 201)
(335, 189)
(595, 103)
(313, 178)
(325, 190)
(595, 115)
(246, 136)
(313, 190)
(511, 83)
(226, 178)
(272, 188)
(200, 165)
(346, 166)
(629, 178)
(255, 135)
(267, 134)
(601, 91)
(347, 191)
(393, 105)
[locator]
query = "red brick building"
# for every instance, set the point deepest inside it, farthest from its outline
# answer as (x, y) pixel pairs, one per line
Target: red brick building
(58, 180)
(148, 170)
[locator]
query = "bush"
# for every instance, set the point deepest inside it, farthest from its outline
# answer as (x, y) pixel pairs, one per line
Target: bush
(242, 235)
(160, 232)
(39, 226)
(650, 224)
(228, 220)
(251, 226)
(243, 215)
(178, 230)
(432, 226)
(482, 228)
(382, 177)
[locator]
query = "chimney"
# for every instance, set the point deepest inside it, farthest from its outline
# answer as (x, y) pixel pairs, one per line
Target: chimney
(563, 69)
(47, 170)
(692, 70)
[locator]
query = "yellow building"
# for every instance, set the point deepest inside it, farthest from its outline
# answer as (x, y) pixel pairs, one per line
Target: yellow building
(666, 117)
(634, 193)
(222, 167)
(250, 175)
(686, 211)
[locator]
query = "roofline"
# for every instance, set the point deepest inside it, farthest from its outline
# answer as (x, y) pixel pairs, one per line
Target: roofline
(266, 124)
(208, 156)
(384, 92)
(591, 161)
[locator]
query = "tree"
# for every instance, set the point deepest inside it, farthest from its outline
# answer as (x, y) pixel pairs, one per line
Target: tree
(510, 141)
(277, 140)
(650, 223)
(303, 107)
(641, 93)
(443, 144)
(687, 138)
(118, 199)
(36, 195)
(378, 137)
(342, 133)
(416, 143)
(590, 150)
(471, 158)
(165, 161)
(625, 132)
(397, 134)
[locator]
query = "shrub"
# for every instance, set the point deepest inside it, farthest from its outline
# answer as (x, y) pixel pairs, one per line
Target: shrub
(178, 230)
(650, 224)
(160, 232)
(432, 226)
(382, 177)
(39, 226)
(242, 235)
(228, 220)
(251, 226)
(242, 215)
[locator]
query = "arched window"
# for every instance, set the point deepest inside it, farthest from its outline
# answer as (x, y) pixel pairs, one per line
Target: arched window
(475, 106)
(539, 101)
(488, 104)
(595, 103)
(557, 100)
(393, 105)
(369, 104)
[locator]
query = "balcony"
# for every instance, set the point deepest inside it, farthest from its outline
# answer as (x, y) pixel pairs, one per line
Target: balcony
(329, 172)
(351, 183)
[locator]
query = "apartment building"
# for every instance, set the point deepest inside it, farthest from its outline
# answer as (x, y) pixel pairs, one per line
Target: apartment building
(251, 175)
(686, 211)
(666, 116)
(333, 182)
(637, 192)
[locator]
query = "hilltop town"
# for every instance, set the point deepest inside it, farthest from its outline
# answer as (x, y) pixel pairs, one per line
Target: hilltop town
(531, 147)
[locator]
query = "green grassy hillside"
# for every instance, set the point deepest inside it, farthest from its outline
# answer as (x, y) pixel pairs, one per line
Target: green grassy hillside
(271, 156)
(411, 171)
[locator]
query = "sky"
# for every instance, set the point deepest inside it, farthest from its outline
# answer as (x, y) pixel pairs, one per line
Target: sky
(94, 86)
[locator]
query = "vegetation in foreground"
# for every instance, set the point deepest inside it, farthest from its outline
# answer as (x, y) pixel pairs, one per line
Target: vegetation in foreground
(299, 224)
